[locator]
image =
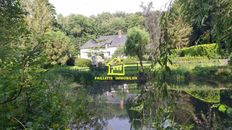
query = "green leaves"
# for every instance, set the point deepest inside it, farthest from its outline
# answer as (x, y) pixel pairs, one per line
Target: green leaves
(39, 15)
(58, 47)
(138, 108)
(137, 39)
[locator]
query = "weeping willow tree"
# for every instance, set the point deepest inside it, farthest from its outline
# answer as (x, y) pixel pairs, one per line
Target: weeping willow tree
(211, 21)
(223, 23)
(200, 14)
(154, 106)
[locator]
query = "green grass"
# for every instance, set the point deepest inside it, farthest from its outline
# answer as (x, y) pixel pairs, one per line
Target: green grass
(130, 69)
(192, 62)
(78, 68)
(183, 69)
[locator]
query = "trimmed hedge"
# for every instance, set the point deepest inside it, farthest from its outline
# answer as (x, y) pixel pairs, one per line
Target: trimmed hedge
(83, 62)
(209, 50)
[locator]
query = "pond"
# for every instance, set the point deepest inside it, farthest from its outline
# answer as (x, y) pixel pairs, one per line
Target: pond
(205, 108)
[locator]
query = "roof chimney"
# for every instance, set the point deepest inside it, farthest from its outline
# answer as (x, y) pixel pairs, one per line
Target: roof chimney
(120, 33)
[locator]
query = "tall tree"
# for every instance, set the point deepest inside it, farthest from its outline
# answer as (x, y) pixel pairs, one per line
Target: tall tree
(58, 47)
(79, 28)
(40, 15)
(11, 25)
(152, 21)
(223, 23)
(179, 31)
(137, 39)
(134, 20)
(201, 15)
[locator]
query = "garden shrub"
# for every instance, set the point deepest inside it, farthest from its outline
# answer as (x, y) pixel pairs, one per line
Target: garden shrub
(209, 50)
(83, 62)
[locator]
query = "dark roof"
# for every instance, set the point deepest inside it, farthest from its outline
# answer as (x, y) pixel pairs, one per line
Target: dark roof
(112, 40)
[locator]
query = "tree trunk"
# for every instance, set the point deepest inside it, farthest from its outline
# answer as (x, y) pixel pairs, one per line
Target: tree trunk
(141, 64)
(210, 27)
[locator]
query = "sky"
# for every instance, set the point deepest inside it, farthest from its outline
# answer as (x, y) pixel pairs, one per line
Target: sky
(94, 7)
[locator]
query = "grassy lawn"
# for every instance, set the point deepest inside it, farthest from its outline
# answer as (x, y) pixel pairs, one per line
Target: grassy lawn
(183, 69)
(79, 68)
(130, 69)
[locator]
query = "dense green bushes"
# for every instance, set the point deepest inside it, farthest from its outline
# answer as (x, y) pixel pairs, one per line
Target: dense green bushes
(192, 62)
(218, 74)
(230, 59)
(83, 62)
(209, 50)
(80, 77)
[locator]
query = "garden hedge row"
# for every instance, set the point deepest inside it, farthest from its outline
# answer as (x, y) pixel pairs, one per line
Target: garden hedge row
(209, 50)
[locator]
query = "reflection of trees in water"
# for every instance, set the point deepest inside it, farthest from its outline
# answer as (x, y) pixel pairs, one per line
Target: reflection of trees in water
(178, 110)
(152, 109)
(101, 111)
(155, 109)
(202, 114)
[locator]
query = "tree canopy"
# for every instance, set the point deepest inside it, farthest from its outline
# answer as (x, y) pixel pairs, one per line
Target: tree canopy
(137, 39)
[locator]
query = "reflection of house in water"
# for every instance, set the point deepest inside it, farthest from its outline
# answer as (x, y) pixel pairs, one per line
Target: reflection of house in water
(116, 96)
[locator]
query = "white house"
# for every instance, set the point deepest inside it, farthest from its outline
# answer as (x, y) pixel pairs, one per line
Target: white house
(103, 46)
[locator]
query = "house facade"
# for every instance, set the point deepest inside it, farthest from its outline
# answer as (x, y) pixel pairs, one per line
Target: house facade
(103, 46)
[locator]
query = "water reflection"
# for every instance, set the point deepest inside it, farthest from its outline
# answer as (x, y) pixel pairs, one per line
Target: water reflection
(120, 107)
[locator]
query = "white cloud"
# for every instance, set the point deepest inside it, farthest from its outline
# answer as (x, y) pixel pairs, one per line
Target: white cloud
(94, 7)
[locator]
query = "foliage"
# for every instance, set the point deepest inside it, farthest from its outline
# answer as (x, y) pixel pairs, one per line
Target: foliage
(58, 47)
(230, 59)
(109, 24)
(130, 60)
(40, 15)
(152, 25)
(179, 31)
(134, 20)
(78, 27)
(137, 39)
(120, 52)
(213, 73)
(30, 99)
(210, 96)
(209, 50)
(83, 62)
(12, 26)
(200, 14)
(223, 23)
(210, 20)
(81, 29)
(74, 75)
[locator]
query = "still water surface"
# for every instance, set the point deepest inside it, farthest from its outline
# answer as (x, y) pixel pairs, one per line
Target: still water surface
(197, 108)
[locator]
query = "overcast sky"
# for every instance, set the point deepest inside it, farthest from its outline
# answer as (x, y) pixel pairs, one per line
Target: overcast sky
(94, 7)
